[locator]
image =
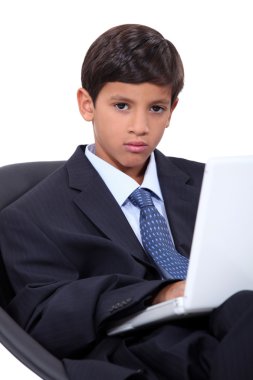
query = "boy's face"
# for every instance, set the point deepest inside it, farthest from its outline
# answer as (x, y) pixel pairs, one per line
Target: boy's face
(128, 121)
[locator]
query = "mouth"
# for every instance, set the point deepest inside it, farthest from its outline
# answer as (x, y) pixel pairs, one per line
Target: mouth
(136, 146)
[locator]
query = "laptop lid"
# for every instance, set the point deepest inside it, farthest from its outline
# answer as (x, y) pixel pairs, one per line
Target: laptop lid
(222, 249)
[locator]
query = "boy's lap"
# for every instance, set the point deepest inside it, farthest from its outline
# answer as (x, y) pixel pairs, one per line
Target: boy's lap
(189, 349)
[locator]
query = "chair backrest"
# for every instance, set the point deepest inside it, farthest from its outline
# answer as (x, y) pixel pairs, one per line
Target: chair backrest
(15, 180)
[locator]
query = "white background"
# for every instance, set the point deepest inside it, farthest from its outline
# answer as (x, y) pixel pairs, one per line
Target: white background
(43, 43)
(42, 46)
(12, 369)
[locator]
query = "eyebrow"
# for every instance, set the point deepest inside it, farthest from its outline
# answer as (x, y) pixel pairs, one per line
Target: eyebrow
(120, 97)
(123, 98)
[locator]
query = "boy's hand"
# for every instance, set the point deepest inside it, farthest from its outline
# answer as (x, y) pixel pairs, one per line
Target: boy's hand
(170, 291)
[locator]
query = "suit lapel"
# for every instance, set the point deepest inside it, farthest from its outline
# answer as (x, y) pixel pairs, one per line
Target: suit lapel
(181, 201)
(96, 202)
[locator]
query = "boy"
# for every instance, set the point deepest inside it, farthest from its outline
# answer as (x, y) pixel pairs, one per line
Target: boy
(75, 253)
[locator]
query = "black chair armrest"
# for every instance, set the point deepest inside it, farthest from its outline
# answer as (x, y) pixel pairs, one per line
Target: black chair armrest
(28, 351)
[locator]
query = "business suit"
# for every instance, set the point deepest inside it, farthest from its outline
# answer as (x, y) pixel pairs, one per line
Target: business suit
(75, 265)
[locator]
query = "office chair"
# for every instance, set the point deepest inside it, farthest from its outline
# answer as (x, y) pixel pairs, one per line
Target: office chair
(15, 180)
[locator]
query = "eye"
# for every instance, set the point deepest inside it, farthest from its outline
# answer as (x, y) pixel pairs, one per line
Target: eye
(157, 109)
(121, 106)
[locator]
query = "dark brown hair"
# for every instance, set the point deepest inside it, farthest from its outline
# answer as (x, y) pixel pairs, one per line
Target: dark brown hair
(132, 53)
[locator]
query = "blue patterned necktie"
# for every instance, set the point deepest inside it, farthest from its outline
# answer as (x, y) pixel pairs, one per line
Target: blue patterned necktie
(156, 238)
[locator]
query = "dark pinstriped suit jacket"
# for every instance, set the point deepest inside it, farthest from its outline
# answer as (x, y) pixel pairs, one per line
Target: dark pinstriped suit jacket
(73, 259)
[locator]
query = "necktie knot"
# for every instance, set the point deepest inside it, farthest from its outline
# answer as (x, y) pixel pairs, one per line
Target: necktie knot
(141, 198)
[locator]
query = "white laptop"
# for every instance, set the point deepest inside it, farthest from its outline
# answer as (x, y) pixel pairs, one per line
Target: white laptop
(221, 262)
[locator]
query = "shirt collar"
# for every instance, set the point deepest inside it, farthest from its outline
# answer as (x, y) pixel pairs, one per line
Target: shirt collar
(123, 185)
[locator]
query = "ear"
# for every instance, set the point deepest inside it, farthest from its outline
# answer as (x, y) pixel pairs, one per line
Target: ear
(173, 106)
(85, 103)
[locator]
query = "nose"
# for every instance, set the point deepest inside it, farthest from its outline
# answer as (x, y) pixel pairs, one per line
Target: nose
(139, 123)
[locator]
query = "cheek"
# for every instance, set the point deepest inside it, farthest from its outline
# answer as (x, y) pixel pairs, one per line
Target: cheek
(159, 130)
(157, 137)
(105, 135)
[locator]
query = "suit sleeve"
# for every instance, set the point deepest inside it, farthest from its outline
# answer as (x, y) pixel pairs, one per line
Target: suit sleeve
(64, 308)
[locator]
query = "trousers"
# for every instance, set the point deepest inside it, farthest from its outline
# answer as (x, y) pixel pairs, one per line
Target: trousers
(217, 346)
